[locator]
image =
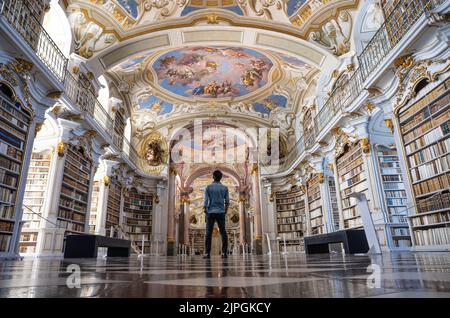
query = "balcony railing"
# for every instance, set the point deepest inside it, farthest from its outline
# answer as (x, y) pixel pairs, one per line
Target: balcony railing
(21, 18)
(401, 19)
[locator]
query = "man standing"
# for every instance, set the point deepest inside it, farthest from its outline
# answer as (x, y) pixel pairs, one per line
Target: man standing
(217, 201)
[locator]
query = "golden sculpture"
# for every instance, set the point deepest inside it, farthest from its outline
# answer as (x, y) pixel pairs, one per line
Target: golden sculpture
(60, 149)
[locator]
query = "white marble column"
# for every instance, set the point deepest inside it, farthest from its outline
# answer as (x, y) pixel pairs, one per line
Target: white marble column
(257, 209)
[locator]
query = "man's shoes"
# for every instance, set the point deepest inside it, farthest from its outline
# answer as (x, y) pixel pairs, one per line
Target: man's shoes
(207, 257)
(224, 256)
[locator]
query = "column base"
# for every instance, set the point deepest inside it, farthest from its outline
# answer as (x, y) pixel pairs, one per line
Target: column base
(171, 249)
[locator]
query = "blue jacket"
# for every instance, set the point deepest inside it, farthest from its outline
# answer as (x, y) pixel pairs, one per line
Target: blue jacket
(216, 197)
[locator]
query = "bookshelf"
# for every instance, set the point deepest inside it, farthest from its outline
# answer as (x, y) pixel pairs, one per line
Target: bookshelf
(291, 218)
(334, 203)
(425, 131)
(14, 126)
(94, 211)
(352, 178)
(34, 198)
(137, 217)
(73, 201)
(394, 197)
(114, 205)
(315, 209)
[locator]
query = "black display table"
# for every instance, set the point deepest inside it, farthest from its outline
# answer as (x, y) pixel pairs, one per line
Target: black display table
(354, 242)
(86, 246)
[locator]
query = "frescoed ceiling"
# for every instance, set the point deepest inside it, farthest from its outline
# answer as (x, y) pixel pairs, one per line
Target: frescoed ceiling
(174, 83)
(257, 61)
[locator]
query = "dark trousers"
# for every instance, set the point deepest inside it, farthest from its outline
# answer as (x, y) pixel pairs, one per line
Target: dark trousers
(212, 218)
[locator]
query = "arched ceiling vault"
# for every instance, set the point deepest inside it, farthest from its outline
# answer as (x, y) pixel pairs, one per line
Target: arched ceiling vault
(252, 61)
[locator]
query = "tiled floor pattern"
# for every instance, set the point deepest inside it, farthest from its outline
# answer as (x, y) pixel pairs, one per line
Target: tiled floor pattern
(400, 275)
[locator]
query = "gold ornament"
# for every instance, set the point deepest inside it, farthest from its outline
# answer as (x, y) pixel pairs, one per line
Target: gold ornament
(389, 124)
(365, 145)
(60, 149)
(106, 181)
(321, 177)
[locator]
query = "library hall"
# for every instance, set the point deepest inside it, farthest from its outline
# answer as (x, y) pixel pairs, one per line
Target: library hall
(201, 149)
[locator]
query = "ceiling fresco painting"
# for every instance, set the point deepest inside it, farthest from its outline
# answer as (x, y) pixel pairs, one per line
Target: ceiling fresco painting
(294, 5)
(131, 6)
(212, 72)
(155, 105)
(267, 105)
(133, 61)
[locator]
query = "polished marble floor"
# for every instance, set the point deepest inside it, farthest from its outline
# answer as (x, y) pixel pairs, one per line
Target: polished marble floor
(391, 275)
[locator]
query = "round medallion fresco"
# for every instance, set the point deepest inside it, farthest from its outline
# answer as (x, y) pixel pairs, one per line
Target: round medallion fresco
(212, 72)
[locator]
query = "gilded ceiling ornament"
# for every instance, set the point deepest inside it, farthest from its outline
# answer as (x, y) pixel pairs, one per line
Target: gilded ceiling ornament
(8, 75)
(212, 18)
(370, 106)
(321, 177)
(389, 124)
(106, 181)
(55, 95)
(365, 145)
(60, 149)
(156, 198)
(38, 128)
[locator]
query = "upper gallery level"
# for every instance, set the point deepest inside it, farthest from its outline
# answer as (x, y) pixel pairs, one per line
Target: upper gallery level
(303, 67)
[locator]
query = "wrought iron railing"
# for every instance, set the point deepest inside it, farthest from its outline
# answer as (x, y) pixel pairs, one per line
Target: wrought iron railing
(405, 14)
(21, 18)
(400, 21)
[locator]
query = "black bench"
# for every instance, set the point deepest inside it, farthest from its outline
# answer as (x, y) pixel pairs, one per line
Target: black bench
(86, 246)
(354, 242)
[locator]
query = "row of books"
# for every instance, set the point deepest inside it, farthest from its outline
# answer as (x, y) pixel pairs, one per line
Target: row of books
(290, 227)
(137, 215)
(10, 139)
(317, 222)
(14, 131)
(112, 219)
(434, 236)
(296, 219)
(359, 187)
(73, 194)
(392, 178)
(6, 226)
(7, 195)
(287, 214)
(317, 204)
(357, 168)
(434, 203)
(79, 160)
(430, 219)
(7, 212)
(395, 194)
(315, 213)
(350, 213)
(431, 152)
(33, 201)
(426, 113)
(5, 240)
(353, 223)
(431, 168)
(397, 218)
(396, 202)
(292, 235)
(287, 207)
(9, 165)
(70, 215)
(40, 181)
(8, 179)
(139, 223)
(80, 174)
(400, 231)
(431, 185)
(72, 205)
(70, 226)
(74, 184)
(430, 137)
(351, 167)
(430, 97)
(394, 185)
(13, 115)
(10, 151)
